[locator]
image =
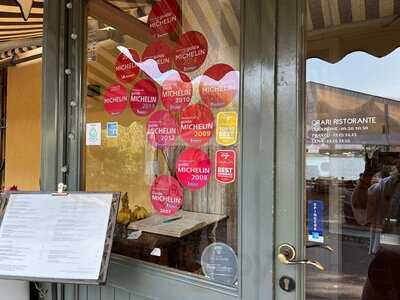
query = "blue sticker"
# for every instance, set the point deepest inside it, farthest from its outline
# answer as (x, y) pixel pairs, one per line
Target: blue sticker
(112, 129)
(315, 221)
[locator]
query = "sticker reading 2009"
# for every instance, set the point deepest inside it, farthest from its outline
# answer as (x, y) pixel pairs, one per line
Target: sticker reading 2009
(197, 125)
(166, 195)
(193, 168)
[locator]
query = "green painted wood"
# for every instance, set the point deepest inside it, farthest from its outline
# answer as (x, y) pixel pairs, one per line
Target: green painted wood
(121, 295)
(93, 293)
(107, 293)
(290, 140)
(70, 291)
(82, 292)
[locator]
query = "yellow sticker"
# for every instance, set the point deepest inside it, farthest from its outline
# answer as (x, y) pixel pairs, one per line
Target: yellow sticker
(227, 128)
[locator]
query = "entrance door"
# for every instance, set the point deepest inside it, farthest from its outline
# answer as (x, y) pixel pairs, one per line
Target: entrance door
(338, 151)
(171, 111)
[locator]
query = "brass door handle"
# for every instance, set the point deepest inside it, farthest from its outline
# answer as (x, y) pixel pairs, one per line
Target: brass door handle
(287, 255)
(323, 246)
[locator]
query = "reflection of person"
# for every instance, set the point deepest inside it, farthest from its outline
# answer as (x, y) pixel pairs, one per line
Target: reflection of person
(377, 205)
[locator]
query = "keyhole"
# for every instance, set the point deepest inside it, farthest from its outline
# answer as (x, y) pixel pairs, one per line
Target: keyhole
(286, 283)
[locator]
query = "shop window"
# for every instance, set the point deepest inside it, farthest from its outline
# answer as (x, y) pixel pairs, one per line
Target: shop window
(162, 127)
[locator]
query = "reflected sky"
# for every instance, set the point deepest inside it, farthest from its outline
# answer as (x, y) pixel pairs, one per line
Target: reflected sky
(360, 72)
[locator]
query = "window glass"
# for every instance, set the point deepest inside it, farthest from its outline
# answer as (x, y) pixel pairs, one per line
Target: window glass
(352, 149)
(162, 127)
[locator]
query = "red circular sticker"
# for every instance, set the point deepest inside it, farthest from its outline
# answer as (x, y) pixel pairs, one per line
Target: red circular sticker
(115, 99)
(176, 91)
(191, 51)
(161, 53)
(164, 17)
(125, 69)
(193, 168)
(144, 97)
(197, 125)
(219, 85)
(166, 195)
(161, 129)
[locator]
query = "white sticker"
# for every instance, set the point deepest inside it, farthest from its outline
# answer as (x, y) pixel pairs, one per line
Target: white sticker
(156, 252)
(134, 235)
(112, 129)
(93, 134)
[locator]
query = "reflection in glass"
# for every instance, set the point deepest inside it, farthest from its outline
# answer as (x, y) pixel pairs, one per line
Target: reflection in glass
(158, 75)
(352, 149)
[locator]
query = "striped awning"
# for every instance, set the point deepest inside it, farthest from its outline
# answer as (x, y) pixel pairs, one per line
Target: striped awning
(21, 24)
(338, 27)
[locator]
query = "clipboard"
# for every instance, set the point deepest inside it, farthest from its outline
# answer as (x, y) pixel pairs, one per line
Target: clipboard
(58, 271)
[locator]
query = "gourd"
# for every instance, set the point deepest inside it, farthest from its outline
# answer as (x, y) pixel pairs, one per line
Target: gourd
(124, 215)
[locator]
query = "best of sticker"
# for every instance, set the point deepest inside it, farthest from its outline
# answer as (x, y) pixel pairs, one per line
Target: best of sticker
(227, 128)
(225, 166)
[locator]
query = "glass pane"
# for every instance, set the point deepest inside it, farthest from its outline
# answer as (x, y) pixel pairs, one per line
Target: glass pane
(162, 115)
(352, 149)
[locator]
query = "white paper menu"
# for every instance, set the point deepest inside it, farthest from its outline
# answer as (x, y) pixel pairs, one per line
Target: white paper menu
(57, 237)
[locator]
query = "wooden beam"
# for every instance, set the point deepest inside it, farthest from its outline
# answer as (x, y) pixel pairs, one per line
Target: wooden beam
(4, 46)
(127, 24)
(113, 16)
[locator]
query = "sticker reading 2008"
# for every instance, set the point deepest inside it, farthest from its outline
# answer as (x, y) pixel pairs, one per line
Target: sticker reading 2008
(193, 168)
(166, 195)
(197, 125)
(162, 129)
(115, 99)
(125, 69)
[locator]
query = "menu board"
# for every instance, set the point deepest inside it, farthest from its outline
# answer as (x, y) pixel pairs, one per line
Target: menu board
(65, 239)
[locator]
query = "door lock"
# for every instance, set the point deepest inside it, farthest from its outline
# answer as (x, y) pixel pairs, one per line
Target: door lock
(287, 256)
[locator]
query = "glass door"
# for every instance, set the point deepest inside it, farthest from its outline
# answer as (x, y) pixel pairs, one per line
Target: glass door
(166, 113)
(348, 197)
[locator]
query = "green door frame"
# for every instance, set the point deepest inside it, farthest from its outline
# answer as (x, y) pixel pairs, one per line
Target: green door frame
(289, 164)
(63, 126)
